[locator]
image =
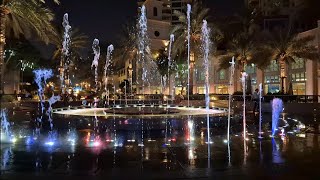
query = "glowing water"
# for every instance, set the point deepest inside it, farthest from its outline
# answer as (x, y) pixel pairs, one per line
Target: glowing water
(232, 63)
(6, 133)
(143, 45)
(65, 61)
(188, 39)
(95, 62)
(106, 67)
(205, 38)
(260, 115)
(243, 80)
(277, 107)
(170, 64)
(51, 101)
(6, 157)
(41, 77)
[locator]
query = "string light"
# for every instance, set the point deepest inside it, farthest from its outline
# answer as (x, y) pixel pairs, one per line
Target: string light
(26, 64)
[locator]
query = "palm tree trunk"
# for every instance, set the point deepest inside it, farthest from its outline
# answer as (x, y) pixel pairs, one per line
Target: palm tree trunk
(191, 78)
(283, 75)
(2, 43)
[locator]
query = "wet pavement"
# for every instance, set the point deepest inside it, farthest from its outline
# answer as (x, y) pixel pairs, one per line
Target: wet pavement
(162, 148)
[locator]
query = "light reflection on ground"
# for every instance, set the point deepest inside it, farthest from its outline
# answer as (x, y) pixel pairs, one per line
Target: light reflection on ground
(141, 111)
(110, 146)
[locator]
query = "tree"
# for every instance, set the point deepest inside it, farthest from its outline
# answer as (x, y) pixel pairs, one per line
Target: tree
(23, 17)
(78, 42)
(286, 47)
(198, 14)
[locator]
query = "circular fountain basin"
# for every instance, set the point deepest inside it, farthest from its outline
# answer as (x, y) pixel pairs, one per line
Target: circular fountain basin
(139, 110)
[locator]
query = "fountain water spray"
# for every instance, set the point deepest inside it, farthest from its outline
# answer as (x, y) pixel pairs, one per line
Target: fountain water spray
(150, 73)
(65, 61)
(108, 62)
(6, 133)
(206, 43)
(6, 157)
(41, 76)
(142, 44)
(51, 101)
(205, 38)
(232, 67)
(95, 62)
(188, 39)
(260, 115)
(243, 80)
(170, 64)
(277, 107)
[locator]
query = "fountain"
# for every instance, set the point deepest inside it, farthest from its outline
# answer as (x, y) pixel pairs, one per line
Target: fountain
(6, 133)
(205, 52)
(243, 80)
(170, 64)
(260, 115)
(41, 76)
(95, 62)
(206, 43)
(188, 39)
(65, 61)
(232, 63)
(51, 101)
(277, 107)
(143, 45)
(108, 62)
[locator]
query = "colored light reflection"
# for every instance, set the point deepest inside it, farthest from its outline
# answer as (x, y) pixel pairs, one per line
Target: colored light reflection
(49, 143)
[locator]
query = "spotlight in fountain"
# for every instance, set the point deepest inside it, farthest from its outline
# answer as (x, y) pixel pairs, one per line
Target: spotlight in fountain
(49, 143)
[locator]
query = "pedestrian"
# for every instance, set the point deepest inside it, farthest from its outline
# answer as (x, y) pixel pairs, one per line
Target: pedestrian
(255, 97)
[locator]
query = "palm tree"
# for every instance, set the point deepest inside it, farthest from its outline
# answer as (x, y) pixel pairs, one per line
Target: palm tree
(23, 17)
(78, 42)
(286, 47)
(198, 14)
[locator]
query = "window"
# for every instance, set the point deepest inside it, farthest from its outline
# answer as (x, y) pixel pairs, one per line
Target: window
(200, 75)
(176, 4)
(298, 77)
(299, 88)
(250, 69)
(271, 88)
(299, 64)
(271, 79)
(254, 80)
(155, 11)
(222, 74)
(157, 33)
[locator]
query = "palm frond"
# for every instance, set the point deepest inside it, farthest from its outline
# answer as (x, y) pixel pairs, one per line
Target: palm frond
(30, 15)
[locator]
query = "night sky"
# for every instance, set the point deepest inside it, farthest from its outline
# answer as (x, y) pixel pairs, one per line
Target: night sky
(103, 19)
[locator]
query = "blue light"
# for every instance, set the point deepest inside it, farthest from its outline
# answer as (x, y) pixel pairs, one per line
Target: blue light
(49, 143)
